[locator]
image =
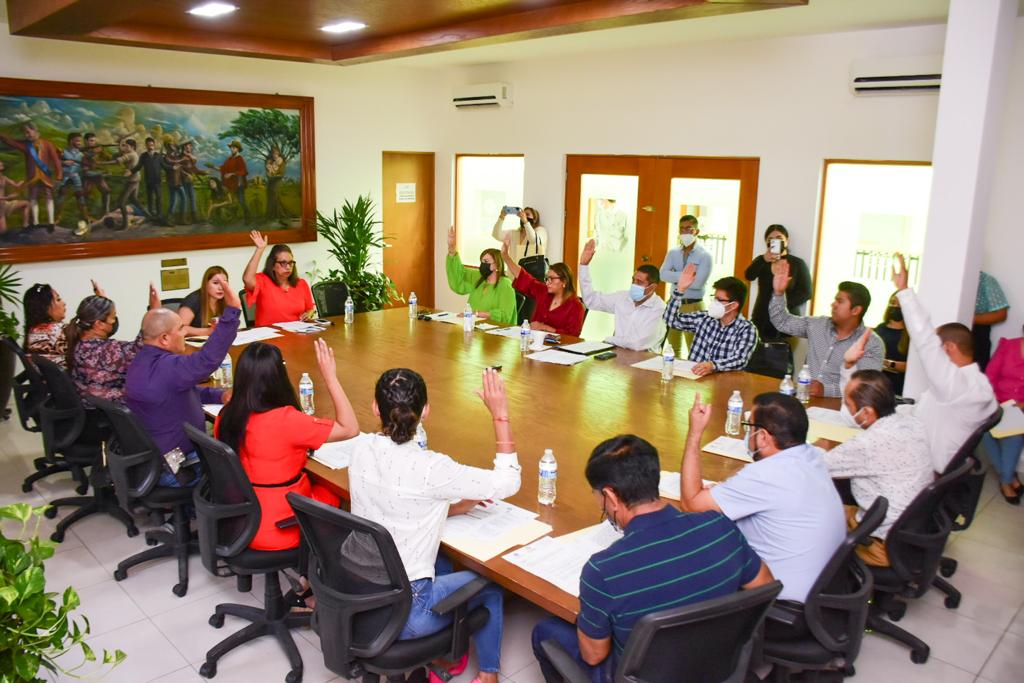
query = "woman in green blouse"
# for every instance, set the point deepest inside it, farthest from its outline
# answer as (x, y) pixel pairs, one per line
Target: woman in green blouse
(490, 293)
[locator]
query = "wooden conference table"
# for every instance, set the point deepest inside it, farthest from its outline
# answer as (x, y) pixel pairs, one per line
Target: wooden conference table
(567, 409)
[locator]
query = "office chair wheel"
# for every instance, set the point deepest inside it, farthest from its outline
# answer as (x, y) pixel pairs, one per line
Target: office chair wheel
(952, 601)
(849, 671)
(25, 488)
(294, 676)
(82, 488)
(180, 589)
(217, 620)
(896, 612)
(920, 656)
(57, 537)
(50, 512)
(947, 567)
(208, 669)
(120, 574)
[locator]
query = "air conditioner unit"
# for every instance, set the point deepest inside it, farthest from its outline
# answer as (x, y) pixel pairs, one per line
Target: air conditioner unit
(896, 75)
(482, 95)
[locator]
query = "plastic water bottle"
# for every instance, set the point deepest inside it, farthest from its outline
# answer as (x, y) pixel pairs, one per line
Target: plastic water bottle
(547, 481)
(306, 394)
(787, 387)
(412, 305)
(421, 436)
(350, 311)
(524, 336)
(226, 372)
(668, 362)
(734, 414)
(803, 385)
(468, 319)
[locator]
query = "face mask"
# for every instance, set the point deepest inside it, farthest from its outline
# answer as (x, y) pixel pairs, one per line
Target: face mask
(637, 292)
(113, 328)
(610, 518)
(716, 309)
(895, 314)
(687, 239)
(485, 269)
(850, 420)
(748, 442)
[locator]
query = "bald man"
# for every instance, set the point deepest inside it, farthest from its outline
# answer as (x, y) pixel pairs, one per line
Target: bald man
(160, 387)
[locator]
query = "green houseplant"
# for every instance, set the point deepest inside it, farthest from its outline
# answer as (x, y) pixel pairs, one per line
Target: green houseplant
(352, 234)
(35, 626)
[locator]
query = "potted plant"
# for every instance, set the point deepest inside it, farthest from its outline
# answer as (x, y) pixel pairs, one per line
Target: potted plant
(35, 626)
(10, 281)
(352, 234)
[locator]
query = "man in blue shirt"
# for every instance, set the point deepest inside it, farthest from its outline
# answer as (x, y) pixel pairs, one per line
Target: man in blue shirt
(688, 254)
(665, 559)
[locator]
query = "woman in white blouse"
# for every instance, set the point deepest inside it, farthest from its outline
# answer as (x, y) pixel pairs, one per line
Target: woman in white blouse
(529, 240)
(408, 491)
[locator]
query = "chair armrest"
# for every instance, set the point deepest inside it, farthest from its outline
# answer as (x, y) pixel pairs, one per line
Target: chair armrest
(785, 612)
(287, 522)
(563, 663)
(460, 597)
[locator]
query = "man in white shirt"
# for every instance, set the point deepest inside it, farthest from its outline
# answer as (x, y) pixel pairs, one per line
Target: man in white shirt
(959, 397)
(784, 502)
(637, 312)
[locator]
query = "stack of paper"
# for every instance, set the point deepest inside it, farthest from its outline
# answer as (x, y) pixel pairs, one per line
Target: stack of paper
(511, 332)
(586, 347)
(483, 327)
(560, 561)
(557, 357)
(337, 454)
(668, 486)
(255, 334)
(730, 448)
(1012, 422)
(302, 327)
(212, 409)
(828, 424)
(680, 368)
(491, 528)
(445, 317)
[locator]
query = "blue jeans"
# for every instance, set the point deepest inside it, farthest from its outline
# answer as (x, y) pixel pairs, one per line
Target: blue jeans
(422, 622)
(564, 634)
(191, 465)
(1004, 454)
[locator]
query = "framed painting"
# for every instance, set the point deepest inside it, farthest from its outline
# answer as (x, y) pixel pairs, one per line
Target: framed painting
(103, 170)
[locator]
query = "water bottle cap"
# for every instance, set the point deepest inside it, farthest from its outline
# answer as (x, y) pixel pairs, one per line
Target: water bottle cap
(548, 451)
(305, 375)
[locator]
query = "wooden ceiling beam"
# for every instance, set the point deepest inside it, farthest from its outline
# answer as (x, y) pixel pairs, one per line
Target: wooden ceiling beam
(51, 18)
(214, 43)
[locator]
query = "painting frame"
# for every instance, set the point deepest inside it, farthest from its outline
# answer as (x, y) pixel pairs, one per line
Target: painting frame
(305, 232)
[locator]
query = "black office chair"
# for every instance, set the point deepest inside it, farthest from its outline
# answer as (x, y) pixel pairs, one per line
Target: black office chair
(228, 515)
(524, 308)
(963, 501)
(248, 312)
(363, 598)
(825, 632)
(700, 642)
(330, 298)
(773, 359)
(70, 433)
(135, 464)
(914, 545)
(174, 303)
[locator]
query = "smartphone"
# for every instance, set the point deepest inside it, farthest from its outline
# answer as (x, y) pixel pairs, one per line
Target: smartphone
(607, 355)
(775, 246)
(512, 210)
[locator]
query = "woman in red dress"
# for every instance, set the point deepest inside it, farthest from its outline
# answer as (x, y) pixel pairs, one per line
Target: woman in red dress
(278, 293)
(557, 308)
(262, 423)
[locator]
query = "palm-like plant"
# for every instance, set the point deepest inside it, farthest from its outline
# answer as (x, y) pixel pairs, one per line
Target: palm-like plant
(10, 281)
(352, 234)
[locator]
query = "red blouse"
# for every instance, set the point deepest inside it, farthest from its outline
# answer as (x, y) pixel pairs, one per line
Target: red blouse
(566, 318)
(275, 305)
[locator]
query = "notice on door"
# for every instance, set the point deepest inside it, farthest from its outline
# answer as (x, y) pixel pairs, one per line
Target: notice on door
(405, 193)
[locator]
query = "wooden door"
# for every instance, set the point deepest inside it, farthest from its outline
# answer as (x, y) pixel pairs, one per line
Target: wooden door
(408, 216)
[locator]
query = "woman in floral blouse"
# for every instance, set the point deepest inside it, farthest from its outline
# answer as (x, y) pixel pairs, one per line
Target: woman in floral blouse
(44, 323)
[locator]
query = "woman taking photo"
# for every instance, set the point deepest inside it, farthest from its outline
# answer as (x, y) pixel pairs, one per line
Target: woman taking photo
(278, 293)
(557, 309)
(530, 239)
(201, 306)
(1005, 370)
(263, 424)
(44, 324)
(490, 293)
(406, 489)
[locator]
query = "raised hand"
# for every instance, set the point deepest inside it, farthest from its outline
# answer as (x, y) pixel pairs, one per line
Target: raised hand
(506, 246)
(325, 359)
(687, 278)
(522, 217)
(780, 277)
(588, 252)
(856, 350)
(230, 296)
(154, 298)
(97, 290)
(451, 240)
(259, 239)
(900, 276)
(700, 415)
(493, 395)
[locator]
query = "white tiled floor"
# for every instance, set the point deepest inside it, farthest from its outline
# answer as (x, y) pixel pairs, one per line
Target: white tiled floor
(166, 637)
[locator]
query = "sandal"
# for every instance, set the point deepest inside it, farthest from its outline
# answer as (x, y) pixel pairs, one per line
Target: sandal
(451, 672)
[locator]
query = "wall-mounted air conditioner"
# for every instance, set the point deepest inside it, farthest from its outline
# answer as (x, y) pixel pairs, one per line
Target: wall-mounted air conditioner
(482, 95)
(896, 75)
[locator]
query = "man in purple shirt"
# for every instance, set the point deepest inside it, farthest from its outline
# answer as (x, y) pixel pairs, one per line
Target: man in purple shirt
(160, 386)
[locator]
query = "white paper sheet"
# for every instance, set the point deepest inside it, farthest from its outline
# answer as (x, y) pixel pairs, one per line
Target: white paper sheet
(586, 347)
(337, 454)
(301, 327)
(680, 368)
(560, 561)
(1012, 422)
(487, 531)
(510, 332)
(212, 409)
(483, 327)
(255, 334)
(730, 448)
(668, 486)
(557, 357)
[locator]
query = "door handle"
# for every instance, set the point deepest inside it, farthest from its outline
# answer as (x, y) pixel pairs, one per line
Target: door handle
(645, 258)
(648, 208)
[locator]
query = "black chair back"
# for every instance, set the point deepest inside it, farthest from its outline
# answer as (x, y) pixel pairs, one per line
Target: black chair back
(962, 501)
(362, 591)
(773, 359)
(29, 388)
(227, 511)
(248, 312)
(330, 298)
(172, 304)
(62, 414)
(134, 461)
(704, 641)
(917, 538)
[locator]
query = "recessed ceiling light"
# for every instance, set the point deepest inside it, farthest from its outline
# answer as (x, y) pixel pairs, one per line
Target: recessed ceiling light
(212, 9)
(344, 27)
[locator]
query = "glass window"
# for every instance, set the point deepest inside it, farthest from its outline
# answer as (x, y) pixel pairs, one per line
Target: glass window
(483, 185)
(870, 211)
(716, 204)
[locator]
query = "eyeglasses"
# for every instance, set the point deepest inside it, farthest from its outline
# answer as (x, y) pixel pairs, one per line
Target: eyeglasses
(285, 263)
(551, 278)
(726, 302)
(751, 425)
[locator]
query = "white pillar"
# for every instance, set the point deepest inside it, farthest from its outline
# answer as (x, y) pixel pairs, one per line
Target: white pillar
(975, 66)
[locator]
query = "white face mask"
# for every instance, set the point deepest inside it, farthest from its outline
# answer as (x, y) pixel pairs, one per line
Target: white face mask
(687, 239)
(748, 442)
(850, 420)
(716, 309)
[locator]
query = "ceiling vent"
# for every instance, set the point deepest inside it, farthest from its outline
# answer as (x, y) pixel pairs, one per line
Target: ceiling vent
(482, 96)
(896, 75)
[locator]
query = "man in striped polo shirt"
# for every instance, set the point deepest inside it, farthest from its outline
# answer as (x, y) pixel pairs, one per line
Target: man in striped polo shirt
(665, 559)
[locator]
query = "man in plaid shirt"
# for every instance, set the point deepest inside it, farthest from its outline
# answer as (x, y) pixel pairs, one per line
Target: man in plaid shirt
(723, 339)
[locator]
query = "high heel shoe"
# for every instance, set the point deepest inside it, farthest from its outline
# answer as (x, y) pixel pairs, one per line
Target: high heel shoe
(1014, 499)
(453, 671)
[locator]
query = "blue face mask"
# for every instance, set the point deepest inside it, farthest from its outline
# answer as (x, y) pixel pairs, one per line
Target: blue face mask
(637, 292)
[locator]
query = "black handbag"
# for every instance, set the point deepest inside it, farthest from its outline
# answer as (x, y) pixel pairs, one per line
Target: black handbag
(536, 265)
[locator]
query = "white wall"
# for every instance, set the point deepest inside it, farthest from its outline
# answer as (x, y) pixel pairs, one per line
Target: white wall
(359, 112)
